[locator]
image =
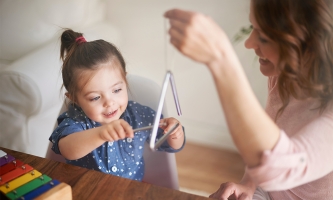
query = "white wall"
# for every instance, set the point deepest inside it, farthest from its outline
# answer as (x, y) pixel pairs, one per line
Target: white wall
(146, 49)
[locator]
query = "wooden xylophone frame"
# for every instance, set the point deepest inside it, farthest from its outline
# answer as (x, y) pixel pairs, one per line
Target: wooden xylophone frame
(21, 181)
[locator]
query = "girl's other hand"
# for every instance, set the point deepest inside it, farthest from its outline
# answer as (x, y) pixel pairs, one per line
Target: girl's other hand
(167, 123)
(116, 130)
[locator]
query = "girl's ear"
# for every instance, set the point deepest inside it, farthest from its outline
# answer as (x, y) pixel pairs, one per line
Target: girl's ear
(69, 96)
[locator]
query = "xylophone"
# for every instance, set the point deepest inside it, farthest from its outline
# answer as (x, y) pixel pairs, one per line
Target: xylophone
(21, 181)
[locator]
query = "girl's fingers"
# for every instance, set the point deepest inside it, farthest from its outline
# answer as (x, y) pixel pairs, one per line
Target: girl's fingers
(120, 132)
(177, 133)
(127, 129)
(120, 129)
(114, 134)
(169, 124)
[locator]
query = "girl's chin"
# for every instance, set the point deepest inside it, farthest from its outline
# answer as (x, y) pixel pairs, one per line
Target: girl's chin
(109, 120)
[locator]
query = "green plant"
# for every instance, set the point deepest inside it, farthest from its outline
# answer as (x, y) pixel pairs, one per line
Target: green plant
(243, 32)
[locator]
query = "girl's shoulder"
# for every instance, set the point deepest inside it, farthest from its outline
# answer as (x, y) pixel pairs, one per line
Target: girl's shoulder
(74, 116)
(137, 107)
(139, 115)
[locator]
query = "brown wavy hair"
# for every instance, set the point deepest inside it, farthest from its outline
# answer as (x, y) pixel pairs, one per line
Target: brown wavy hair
(78, 56)
(303, 30)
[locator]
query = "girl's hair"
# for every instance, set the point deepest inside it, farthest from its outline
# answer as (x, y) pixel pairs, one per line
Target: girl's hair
(78, 56)
(303, 30)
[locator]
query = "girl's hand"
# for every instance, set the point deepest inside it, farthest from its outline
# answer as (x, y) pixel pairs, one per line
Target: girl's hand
(197, 36)
(168, 123)
(176, 138)
(233, 191)
(116, 130)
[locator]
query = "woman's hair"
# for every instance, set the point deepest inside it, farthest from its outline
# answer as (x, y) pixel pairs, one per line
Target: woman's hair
(79, 56)
(303, 30)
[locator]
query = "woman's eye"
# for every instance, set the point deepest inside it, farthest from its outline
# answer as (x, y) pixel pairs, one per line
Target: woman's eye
(117, 90)
(95, 99)
(262, 40)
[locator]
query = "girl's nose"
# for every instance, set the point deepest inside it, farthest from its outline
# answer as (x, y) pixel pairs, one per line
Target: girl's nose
(108, 102)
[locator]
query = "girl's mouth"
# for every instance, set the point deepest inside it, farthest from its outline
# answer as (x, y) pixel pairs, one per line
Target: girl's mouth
(111, 114)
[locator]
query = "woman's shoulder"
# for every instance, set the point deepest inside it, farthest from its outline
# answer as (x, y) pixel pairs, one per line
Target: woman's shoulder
(327, 114)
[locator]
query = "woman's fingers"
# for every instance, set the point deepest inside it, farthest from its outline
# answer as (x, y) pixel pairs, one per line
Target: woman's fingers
(229, 191)
(178, 14)
(225, 192)
(244, 197)
(216, 195)
(195, 35)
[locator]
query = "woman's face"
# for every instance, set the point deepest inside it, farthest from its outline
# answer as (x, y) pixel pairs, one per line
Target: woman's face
(265, 48)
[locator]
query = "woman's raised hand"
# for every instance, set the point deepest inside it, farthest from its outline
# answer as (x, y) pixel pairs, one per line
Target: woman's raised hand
(198, 36)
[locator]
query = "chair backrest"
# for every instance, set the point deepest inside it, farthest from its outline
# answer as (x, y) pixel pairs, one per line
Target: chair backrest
(160, 167)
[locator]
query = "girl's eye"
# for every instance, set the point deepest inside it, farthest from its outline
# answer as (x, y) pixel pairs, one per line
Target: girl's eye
(117, 90)
(95, 99)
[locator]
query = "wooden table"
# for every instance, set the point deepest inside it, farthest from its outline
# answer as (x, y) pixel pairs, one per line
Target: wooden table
(90, 184)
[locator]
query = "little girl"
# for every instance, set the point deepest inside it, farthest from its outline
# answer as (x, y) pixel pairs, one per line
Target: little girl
(97, 130)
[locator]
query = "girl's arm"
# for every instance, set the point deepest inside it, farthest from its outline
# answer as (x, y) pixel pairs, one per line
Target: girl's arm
(201, 39)
(79, 144)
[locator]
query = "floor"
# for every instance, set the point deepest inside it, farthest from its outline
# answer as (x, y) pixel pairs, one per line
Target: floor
(202, 169)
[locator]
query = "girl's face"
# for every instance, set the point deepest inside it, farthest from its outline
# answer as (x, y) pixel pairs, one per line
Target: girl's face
(265, 48)
(104, 96)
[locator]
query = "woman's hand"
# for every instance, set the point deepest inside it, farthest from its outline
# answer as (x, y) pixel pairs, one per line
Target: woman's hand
(197, 36)
(116, 130)
(176, 138)
(233, 191)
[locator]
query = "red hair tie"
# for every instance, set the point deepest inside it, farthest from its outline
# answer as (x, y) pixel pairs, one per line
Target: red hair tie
(80, 40)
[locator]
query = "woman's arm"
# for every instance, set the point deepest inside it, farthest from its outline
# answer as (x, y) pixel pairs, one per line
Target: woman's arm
(200, 38)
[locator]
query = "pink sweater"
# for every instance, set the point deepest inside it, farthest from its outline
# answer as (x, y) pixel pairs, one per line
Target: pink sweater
(301, 164)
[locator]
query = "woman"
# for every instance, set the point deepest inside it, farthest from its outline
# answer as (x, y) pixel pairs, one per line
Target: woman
(287, 147)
